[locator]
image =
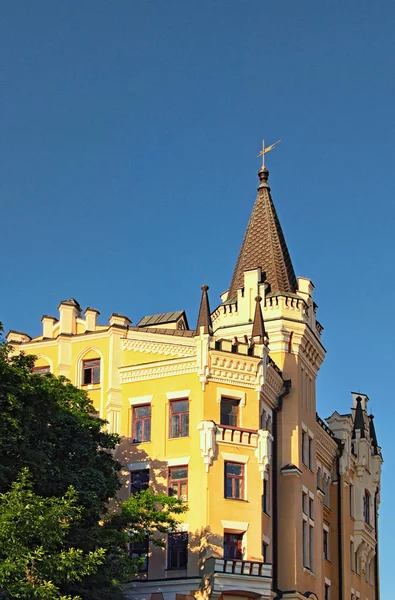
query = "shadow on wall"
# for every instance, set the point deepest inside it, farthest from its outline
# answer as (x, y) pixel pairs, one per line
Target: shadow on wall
(203, 543)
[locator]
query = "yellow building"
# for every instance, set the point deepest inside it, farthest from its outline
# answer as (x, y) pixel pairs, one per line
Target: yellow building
(281, 504)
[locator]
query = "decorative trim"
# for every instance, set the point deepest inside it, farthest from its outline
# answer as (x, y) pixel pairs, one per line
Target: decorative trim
(208, 442)
(139, 466)
(174, 462)
(164, 348)
(239, 458)
(140, 400)
(157, 370)
(291, 470)
(178, 394)
(234, 394)
(241, 525)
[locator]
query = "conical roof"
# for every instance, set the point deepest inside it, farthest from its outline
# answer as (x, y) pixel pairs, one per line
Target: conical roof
(359, 421)
(258, 327)
(204, 318)
(264, 246)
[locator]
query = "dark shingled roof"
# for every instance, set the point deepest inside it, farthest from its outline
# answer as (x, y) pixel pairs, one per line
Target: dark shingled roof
(258, 327)
(359, 422)
(264, 246)
(161, 318)
(204, 318)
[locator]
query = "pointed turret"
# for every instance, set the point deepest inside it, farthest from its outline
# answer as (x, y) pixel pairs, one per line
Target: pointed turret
(359, 422)
(204, 318)
(372, 433)
(258, 335)
(264, 246)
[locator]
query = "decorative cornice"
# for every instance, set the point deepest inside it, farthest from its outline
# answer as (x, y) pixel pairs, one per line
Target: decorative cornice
(237, 369)
(327, 447)
(158, 347)
(157, 370)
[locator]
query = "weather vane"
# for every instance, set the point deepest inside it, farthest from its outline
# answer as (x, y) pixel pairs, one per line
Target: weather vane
(265, 150)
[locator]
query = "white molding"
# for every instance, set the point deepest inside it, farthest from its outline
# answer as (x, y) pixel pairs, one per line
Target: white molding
(174, 462)
(240, 525)
(234, 394)
(157, 370)
(328, 581)
(238, 458)
(325, 527)
(178, 395)
(265, 539)
(161, 345)
(139, 466)
(140, 400)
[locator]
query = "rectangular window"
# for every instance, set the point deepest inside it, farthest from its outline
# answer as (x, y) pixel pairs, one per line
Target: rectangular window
(304, 448)
(311, 549)
(139, 550)
(327, 592)
(351, 496)
(178, 482)
(230, 412)
(139, 481)
(265, 496)
(366, 507)
(310, 454)
(305, 544)
(265, 552)
(304, 503)
(179, 418)
(234, 480)
(41, 370)
(91, 371)
(311, 508)
(233, 545)
(177, 551)
(141, 423)
(326, 544)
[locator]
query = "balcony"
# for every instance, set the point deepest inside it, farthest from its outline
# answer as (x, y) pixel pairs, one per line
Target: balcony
(233, 575)
(237, 435)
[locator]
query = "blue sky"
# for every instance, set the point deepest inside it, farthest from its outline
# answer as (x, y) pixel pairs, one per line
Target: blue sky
(130, 131)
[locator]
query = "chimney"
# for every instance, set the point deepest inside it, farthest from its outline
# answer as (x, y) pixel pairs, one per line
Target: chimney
(91, 315)
(48, 325)
(17, 337)
(69, 311)
(119, 321)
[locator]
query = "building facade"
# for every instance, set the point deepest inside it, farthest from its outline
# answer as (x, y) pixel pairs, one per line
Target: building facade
(281, 503)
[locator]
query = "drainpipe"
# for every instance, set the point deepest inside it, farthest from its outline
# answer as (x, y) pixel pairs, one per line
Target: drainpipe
(340, 522)
(376, 558)
(287, 387)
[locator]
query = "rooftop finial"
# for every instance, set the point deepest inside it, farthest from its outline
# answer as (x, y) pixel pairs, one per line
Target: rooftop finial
(258, 334)
(265, 151)
(204, 318)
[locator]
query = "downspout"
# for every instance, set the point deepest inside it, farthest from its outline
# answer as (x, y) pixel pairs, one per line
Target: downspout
(340, 522)
(287, 387)
(376, 558)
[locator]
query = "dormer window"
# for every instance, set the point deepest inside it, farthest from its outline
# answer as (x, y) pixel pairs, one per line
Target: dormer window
(91, 371)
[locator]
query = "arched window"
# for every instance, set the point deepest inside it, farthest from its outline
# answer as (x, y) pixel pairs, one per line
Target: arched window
(366, 507)
(41, 365)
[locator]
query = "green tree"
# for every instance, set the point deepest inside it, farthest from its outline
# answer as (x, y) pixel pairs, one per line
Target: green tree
(34, 559)
(51, 428)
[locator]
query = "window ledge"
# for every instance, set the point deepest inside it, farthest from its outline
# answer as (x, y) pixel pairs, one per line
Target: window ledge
(264, 512)
(236, 499)
(310, 572)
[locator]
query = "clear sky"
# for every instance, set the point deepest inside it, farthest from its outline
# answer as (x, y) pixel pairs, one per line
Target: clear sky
(128, 148)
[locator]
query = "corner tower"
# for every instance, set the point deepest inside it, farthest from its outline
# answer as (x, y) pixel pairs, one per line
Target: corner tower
(264, 272)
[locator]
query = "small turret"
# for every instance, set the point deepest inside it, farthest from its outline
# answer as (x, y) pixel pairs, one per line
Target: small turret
(204, 318)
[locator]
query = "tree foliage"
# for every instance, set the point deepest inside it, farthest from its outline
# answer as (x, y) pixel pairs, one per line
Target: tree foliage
(50, 428)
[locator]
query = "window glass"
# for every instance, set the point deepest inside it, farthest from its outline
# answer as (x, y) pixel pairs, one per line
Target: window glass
(178, 482)
(230, 412)
(140, 550)
(91, 371)
(233, 545)
(177, 551)
(141, 423)
(139, 481)
(179, 418)
(41, 370)
(234, 480)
